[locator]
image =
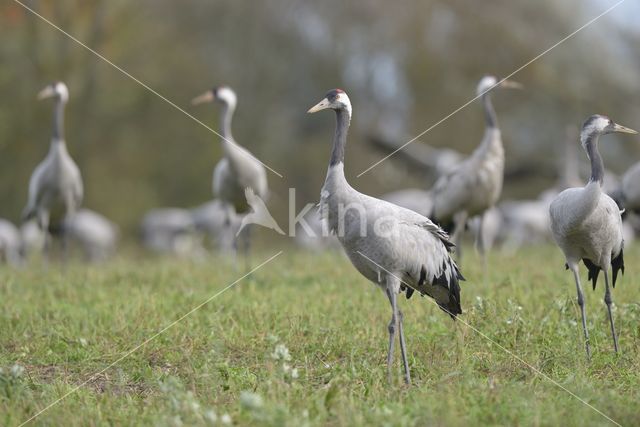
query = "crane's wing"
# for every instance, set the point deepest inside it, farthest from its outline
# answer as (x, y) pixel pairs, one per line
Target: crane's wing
(36, 183)
(450, 193)
(432, 270)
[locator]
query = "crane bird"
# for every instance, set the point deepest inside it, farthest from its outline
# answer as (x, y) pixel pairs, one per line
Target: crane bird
(11, 248)
(211, 220)
(94, 234)
(586, 223)
(171, 231)
(474, 186)
(55, 187)
(238, 169)
(395, 248)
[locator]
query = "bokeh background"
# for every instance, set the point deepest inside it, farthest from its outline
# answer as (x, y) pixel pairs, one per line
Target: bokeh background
(405, 65)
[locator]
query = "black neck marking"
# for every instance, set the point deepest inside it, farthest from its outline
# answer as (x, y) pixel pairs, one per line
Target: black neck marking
(340, 138)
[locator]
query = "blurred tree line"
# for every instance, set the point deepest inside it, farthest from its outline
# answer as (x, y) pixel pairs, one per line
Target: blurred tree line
(405, 66)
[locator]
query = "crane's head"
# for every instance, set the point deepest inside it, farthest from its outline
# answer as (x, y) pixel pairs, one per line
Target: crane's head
(222, 94)
(601, 125)
(488, 83)
(336, 99)
(57, 90)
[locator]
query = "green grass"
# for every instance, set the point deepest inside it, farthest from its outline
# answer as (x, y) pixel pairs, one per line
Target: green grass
(62, 326)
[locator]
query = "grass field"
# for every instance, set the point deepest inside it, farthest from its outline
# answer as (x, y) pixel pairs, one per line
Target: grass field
(303, 342)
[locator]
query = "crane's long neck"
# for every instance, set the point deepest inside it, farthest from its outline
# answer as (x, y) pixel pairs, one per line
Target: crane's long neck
(58, 121)
(590, 144)
(343, 119)
(336, 189)
(225, 121)
(490, 117)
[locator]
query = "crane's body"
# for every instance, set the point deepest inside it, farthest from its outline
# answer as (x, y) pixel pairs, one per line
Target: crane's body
(395, 248)
(55, 187)
(587, 225)
(475, 185)
(234, 173)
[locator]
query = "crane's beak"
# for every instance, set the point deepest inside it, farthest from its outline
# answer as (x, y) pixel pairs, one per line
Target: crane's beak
(322, 105)
(47, 92)
(204, 98)
(510, 84)
(623, 129)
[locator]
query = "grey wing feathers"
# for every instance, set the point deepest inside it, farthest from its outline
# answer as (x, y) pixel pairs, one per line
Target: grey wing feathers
(446, 275)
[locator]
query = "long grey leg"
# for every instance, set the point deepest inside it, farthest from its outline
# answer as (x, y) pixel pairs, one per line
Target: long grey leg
(481, 244)
(459, 222)
(403, 349)
(608, 301)
(391, 294)
(247, 246)
(576, 276)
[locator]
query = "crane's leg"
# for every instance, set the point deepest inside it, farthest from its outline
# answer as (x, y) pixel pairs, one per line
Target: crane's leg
(459, 223)
(247, 246)
(481, 244)
(608, 301)
(576, 276)
(403, 349)
(230, 234)
(392, 331)
(393, 324)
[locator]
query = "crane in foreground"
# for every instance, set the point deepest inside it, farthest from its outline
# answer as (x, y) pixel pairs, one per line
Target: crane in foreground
(55, 187)
(587, 225)
(475, 185)
(395, 248)
(238, 169)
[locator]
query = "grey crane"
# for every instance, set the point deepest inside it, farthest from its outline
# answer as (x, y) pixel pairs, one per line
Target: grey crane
(55, 187)
(94, 234)
(475, 185)
(171, 231)
(395, 248)
(586, 223)
(212, 220)
(11, 249)
(238, 169)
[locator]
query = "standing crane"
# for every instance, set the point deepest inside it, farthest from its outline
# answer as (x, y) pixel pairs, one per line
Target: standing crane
(55, 187)
(238, 169)
(475, 185)
(586, 223)
(395, 248)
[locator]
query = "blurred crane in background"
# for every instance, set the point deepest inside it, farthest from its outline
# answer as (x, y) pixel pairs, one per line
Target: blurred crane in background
(475, 185)
(212, 220)
(238, 169)
(171, 231)
(11, 249)
(55, 187)
(587, 225)
(95, 235)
